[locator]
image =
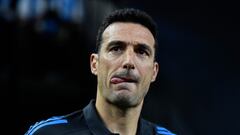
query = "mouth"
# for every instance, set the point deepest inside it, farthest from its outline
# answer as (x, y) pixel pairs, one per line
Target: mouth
(117, 80)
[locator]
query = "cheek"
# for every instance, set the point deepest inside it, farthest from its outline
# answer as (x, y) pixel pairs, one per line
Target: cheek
(146, 72)
(111, 62)
(106, 67)
(102, 68)
(145, 68)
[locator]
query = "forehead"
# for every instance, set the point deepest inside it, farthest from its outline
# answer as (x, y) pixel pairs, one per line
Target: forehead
(128, 32)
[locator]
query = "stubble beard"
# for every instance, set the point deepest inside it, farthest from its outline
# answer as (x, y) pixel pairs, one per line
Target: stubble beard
(123, 101)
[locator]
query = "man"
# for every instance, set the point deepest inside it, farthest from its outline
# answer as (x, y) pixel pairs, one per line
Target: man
(125, 66)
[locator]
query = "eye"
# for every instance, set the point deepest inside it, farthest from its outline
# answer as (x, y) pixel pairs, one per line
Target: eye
(115, 49)
(142, 52)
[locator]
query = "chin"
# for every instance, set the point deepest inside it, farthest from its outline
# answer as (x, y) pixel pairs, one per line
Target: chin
(123, 101)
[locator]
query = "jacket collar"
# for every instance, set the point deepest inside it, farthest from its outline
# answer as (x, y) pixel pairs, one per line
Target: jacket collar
(97, 126)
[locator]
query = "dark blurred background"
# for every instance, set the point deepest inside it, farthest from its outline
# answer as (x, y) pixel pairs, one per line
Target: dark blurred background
(45, 49)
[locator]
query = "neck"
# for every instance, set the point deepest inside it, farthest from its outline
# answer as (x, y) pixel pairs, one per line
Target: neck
(117, 120)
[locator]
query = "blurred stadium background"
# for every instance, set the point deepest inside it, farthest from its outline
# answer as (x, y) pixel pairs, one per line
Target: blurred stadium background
(46, 44)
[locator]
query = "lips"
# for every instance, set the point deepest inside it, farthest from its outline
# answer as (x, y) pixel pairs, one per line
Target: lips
(116, 80)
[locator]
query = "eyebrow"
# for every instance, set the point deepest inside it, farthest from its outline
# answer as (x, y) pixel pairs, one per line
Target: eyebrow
(116, 42)
(139, 45)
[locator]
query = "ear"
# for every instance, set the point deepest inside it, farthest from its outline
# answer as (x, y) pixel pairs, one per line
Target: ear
(155, 71)
(94, 63)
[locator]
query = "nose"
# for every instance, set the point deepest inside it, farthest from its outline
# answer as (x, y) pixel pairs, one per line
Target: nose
(128, 60)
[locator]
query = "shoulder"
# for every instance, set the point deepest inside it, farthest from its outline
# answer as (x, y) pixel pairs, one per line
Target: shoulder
(45, 126)
(162, 131)
(157, 129)
(55, 125)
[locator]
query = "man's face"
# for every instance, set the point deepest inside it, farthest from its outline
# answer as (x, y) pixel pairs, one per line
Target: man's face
(125, 64)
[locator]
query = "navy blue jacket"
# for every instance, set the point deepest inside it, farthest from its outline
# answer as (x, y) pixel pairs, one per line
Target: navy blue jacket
(87, 122)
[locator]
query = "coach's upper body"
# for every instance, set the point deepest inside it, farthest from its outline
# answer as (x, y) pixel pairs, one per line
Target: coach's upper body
(125, 67)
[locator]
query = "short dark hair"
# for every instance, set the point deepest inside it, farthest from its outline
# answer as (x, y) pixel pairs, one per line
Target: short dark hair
(127, 15)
